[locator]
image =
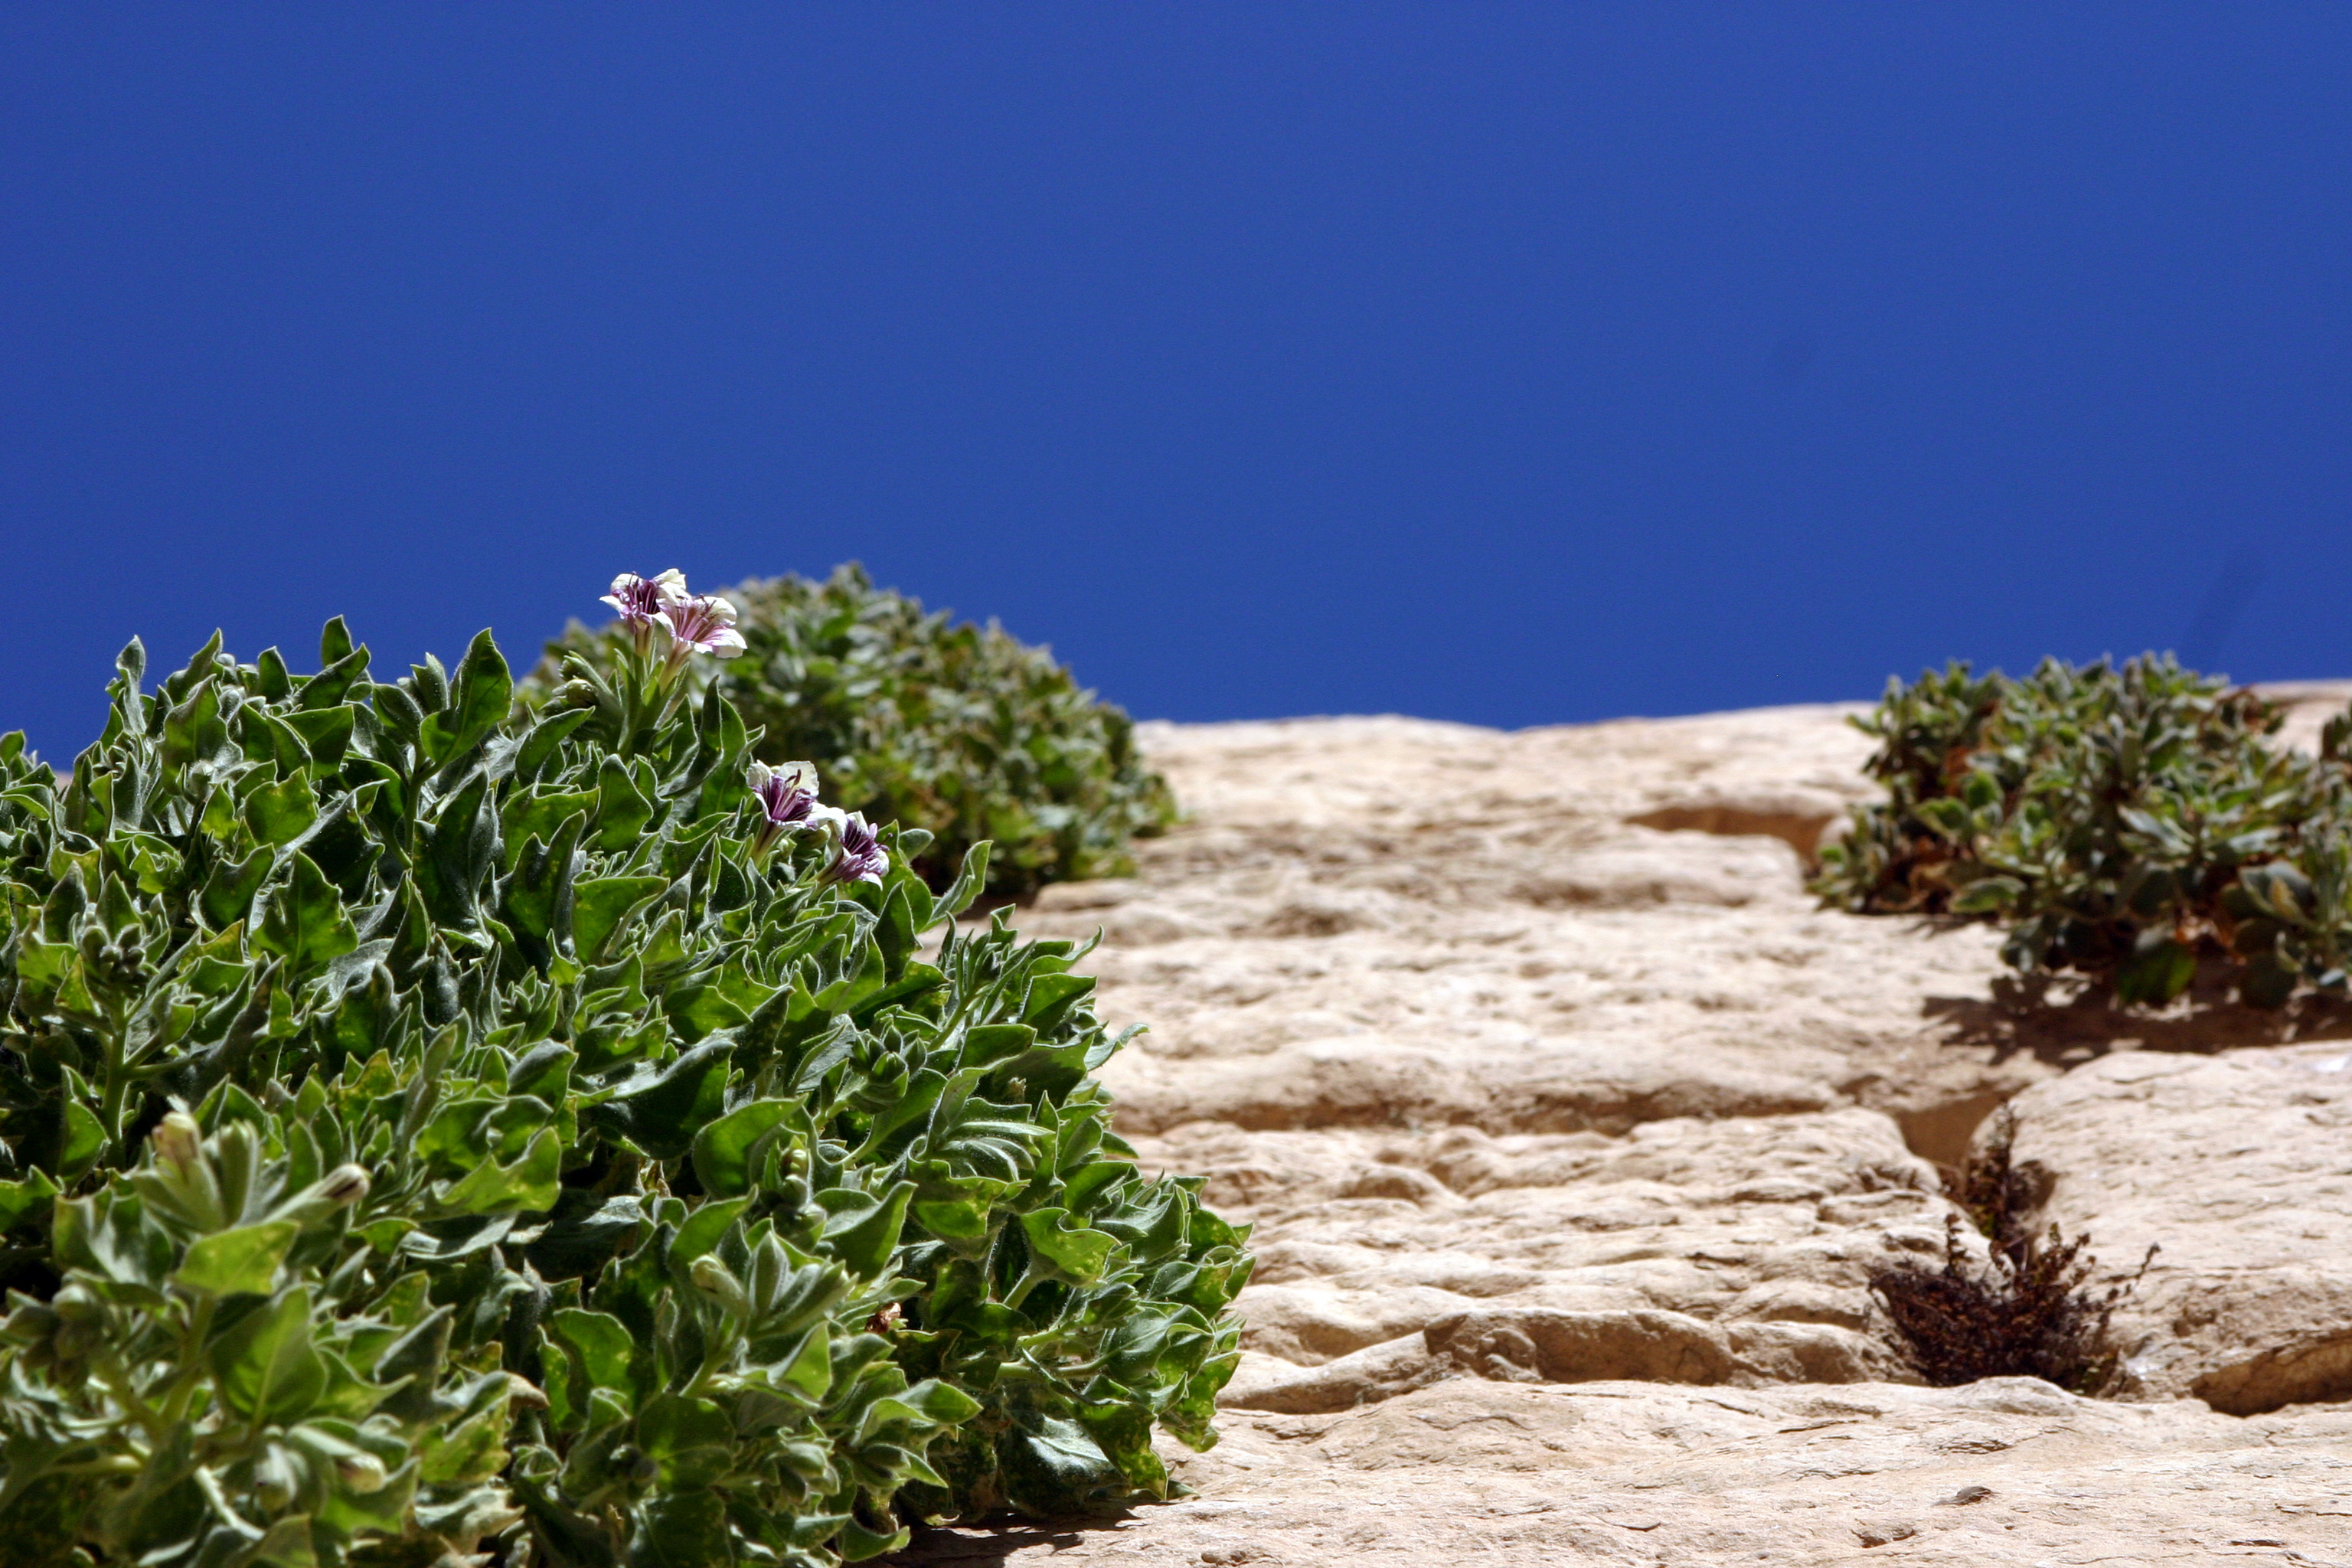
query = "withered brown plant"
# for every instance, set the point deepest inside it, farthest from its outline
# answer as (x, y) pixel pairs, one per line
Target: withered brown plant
(2028, 1310)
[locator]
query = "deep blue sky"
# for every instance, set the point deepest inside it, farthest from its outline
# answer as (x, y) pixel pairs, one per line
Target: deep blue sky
(1507, 364)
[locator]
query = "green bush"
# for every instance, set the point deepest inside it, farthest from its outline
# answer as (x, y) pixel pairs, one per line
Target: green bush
(961, 731)
(2118, 822)
(426, 1131)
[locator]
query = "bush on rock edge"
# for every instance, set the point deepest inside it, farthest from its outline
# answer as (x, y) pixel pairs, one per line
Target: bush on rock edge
(961, 731)
(430, 1135)
(2118, 822)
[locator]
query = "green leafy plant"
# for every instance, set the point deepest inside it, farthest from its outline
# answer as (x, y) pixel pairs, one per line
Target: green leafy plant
(2119, 822)
(435, 1134)
(960, 730)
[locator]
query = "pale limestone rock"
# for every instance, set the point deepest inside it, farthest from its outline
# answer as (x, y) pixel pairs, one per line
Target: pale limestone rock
(2240, 1169)
(1671, 1241)
(1538, 1072)
(2009, 1473)
(1376, 921)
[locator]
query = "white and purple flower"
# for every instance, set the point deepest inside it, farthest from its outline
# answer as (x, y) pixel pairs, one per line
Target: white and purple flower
(642, 602)
(787, 799)
(858, 855)
(704, 623)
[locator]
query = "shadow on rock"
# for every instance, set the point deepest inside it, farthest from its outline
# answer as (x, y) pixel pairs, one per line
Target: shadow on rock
(2066, 1021)
(986, 1544)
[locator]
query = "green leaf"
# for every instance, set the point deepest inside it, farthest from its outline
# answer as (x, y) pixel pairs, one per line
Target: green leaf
(1988, 895)
(722, 1151)
(971, 880)
(809, 1369)
(622, 811)
(542, 1072)
(1121, 1428)
(266, 1367)
(414, 1360)
(82, 1140)
(2159, 969)
(691, 1439)
(333, 683)
(540, 743)
(334, 642)
(1053, 1467)
(660, 1110)
(228, 891)
(602, 1343)
(863, 1238)
(195, 730)
(479, 699)
(282, 813)
(599, 905)
(927, 1404)
(960, 1220)
(475, 1451)
(584, 1231)
(860, 1544)
(532, 814)
(1051, 997)
(528, 1183)
(986, 1043)
(703, 1230)
(682, 1529)
(303, 919)
(326, 733)
(21, 1203)
(241, 1261)
(1077, 1253)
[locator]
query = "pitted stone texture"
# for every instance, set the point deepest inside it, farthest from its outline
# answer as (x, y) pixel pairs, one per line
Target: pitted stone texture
(2239, 1168)
(1534, 1065)
(1705, 1251)
(1391, 921)
(2007, 1472)
(1375, 922)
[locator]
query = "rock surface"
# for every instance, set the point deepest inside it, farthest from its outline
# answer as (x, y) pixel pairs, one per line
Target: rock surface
(2240, 1169)
(1469, 1471)
(1571, 1130)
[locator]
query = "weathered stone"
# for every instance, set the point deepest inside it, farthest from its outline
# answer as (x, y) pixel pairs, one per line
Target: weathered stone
(1538, 1072)
(2003, 1474)
(2239, 1168)
(1663, 1242)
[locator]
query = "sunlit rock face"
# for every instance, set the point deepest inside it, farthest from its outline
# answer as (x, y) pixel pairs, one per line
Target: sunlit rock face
(1571, 1130)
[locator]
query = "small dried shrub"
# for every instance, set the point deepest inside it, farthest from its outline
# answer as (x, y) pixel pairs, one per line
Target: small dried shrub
(2026, 1311)
(2119, 822)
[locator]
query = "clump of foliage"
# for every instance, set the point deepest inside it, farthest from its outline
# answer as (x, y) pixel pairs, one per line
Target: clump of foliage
(2026, 1311)
(431, 1135)
(2119, 822)
(961, 731)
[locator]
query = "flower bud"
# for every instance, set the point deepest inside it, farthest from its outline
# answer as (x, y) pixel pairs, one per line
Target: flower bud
(344, 1185)
(81, 1323)
(273, 1481)
(319, 1203)
(178, 1141)
(75, 1304)
(31, 1323)
(634, 1462)
(717, 1280)
(360, 1472)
